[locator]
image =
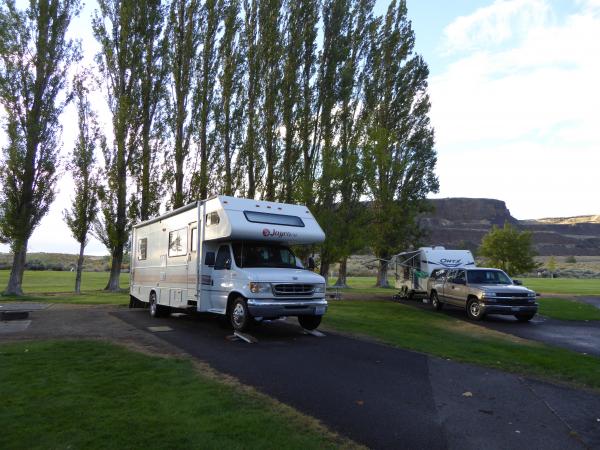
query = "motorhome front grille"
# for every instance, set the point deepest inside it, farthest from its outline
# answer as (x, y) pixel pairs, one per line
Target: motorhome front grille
(290, 289)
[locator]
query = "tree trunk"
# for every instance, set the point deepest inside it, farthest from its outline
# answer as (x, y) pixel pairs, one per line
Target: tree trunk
(79, 268)
(342, 281)
(382, 274)
(115, 272)
(324, 270)
(15, 281)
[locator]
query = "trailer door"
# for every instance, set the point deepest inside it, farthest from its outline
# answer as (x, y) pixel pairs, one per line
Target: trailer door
(192, 270)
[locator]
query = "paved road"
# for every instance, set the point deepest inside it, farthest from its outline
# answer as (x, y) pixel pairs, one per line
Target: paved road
(385, 397)
(590, 300)
(579, 336)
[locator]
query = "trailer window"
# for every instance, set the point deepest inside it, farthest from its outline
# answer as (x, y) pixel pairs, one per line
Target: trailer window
(273, 219)
(212, 218)
(142, 250)
(194, 239)
(178, 242)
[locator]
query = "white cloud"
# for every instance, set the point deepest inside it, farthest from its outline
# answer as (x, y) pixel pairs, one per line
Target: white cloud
(520, 123)
(495, 24)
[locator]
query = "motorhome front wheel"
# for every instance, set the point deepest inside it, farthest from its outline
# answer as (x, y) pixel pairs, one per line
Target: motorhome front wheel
(239, 315)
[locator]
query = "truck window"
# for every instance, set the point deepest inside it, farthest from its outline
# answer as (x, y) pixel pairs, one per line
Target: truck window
(223, 256)
(460, 277)
(273, 219)
(142, 250)
(178, 242)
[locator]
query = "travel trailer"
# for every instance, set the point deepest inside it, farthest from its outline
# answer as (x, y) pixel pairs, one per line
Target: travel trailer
(228, 256)
(412, 269)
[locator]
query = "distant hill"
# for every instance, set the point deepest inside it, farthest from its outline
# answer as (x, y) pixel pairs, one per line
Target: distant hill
(462, 222)
(58, 261)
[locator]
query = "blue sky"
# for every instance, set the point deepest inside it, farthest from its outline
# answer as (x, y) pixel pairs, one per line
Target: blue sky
(515, 94)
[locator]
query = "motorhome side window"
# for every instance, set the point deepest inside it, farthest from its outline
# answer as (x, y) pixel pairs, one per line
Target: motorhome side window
(212, 218)
(194, 239)
(178, 242)
(223, 256)
(273, 219)
(142, 250)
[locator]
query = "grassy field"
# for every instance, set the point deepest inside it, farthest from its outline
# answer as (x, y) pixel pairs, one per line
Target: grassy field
(438, 334)
(93, 395)
(562, 309)
(571, 286)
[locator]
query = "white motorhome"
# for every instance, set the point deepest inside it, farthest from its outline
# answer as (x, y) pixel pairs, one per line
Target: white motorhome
(228, 256)
(414, 268)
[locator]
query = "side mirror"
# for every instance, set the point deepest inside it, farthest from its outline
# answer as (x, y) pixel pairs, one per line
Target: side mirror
(228, 264)
(517, 282)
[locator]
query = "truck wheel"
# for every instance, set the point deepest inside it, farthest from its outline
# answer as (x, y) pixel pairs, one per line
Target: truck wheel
(524, 317)
(157, 310)
(239, 316)
(474, 310)
(309, 322)
(435, 301)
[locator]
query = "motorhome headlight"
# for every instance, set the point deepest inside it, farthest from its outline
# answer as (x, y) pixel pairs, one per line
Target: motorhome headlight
(260, 288)
(320, 288)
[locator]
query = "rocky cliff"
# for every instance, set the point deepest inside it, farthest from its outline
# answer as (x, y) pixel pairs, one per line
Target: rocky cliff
(462, 222)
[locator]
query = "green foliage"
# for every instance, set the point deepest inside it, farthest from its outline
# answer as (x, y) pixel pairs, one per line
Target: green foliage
(82, 167)
(398, 153)
(508, 249)
(35, 56)
(570, 260)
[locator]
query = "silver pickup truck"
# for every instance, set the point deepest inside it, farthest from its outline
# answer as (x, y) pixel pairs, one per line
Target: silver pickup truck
(481, 291)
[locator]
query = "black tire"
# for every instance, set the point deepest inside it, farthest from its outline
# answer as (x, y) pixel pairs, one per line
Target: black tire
(474, 310)
(309, 322)
(435, 301)
(403, 294)
(524, 317)
(239, 315)
(157, 310)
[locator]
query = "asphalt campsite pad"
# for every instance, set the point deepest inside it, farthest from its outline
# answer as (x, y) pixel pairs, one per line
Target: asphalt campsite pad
(579, 336)
(386, 397)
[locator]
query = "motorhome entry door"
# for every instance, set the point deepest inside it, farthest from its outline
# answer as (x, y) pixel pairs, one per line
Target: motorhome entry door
(192, 267)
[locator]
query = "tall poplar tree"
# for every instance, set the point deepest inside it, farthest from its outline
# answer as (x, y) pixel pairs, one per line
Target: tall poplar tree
(336, 15)
(208, 61)
(348, 233)
(183, 37)
(250, 157)
(116, 27)
(229, 108)
(153, 72)
(84, 209)
(35, 56)
(270, 55)
(399, 155)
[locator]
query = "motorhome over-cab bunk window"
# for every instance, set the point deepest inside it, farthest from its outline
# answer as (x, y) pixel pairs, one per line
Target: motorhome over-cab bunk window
(212, 218)
(142, 249)
(178, 242)
(273, 219)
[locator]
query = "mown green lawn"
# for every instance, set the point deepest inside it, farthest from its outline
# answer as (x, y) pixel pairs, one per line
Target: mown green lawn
(572, 286)
(363, 285)
(51, 281)
(438, 334)
(559, 308)
(94, 395)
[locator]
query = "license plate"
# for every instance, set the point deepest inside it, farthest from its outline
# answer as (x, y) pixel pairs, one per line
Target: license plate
(319, 310)
(515, 308)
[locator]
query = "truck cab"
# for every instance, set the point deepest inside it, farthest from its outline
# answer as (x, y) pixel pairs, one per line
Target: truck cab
(482, 291)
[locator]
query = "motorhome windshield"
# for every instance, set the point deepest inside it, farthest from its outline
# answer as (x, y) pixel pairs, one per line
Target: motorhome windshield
(263, 255)
(487, 277)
